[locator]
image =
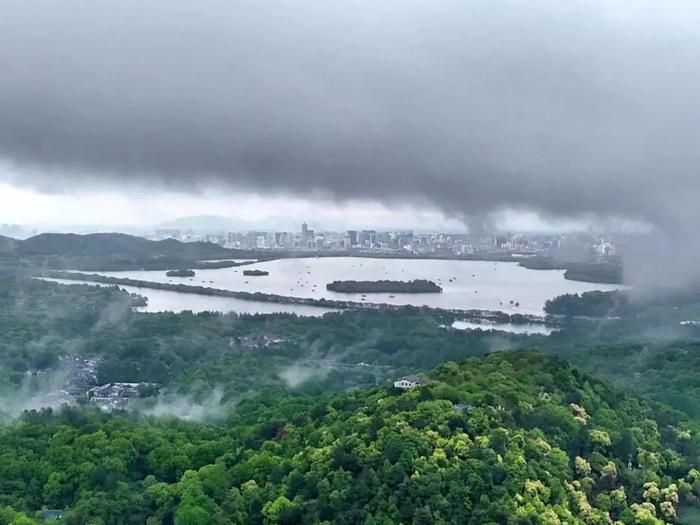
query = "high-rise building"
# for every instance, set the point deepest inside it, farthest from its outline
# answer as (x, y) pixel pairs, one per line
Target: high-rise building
(368, 238)
(304, 234)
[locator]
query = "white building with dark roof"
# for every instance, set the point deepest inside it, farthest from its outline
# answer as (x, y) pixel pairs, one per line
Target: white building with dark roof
(406, 382)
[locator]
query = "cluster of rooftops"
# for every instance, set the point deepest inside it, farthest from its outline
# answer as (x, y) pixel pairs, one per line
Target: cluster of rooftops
(114, 395)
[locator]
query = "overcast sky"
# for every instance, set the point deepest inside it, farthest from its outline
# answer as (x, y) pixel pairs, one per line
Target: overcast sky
(570, 110)
(141, 210)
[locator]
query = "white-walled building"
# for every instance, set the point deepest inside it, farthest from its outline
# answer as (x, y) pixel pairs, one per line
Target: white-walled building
(406, 382)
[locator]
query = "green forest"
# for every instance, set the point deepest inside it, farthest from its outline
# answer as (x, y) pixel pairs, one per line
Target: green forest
(510, 438)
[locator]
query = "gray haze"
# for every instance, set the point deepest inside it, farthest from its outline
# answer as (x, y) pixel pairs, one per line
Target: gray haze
(572, 109)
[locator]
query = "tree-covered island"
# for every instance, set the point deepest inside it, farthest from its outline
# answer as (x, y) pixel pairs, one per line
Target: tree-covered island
(180, 273)
(415, 286)
(255, 273)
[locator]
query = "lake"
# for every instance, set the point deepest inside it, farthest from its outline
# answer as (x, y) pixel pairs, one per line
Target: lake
(467, 285)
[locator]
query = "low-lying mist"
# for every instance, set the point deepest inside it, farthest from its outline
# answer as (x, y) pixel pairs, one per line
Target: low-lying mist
(187, 407)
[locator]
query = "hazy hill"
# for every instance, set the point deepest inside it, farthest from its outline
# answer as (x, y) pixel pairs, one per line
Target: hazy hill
(100, 244)
(8, 245)
(207, 223)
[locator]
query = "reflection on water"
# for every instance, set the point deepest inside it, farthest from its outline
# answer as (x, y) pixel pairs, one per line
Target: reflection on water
(467, 285)
(167, 301)
(528, 328)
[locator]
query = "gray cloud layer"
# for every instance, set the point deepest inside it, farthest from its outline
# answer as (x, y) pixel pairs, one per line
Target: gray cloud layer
(568, 108)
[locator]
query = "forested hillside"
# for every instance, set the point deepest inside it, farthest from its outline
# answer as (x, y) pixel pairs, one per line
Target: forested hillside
(109, 251)
(99, 244)
(511, 438)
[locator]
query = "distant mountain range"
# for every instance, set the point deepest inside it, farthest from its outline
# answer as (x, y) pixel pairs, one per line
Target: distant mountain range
(218, 223)
(211, 223)
(101, 244)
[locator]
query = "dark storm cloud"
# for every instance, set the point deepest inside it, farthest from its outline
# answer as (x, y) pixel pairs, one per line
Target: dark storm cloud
(567, 108)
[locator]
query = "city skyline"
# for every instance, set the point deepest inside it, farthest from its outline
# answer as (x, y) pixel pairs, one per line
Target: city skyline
(408, 242)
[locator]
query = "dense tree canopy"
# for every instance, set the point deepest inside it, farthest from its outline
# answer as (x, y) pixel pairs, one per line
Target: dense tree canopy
(511, 438)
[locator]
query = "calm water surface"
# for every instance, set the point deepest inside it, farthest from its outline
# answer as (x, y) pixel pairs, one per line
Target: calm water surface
(466, 284)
